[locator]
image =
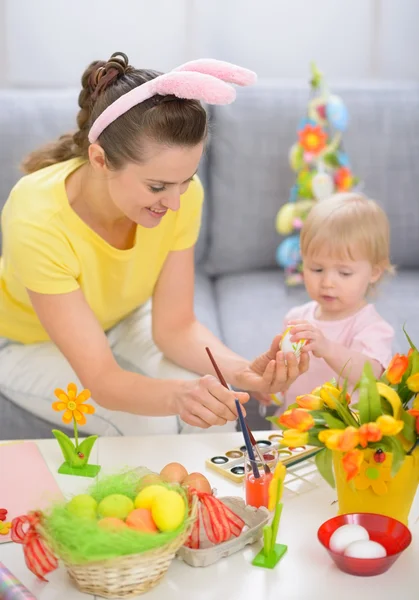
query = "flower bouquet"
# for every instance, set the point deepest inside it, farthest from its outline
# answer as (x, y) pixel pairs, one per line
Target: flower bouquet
(371, 448)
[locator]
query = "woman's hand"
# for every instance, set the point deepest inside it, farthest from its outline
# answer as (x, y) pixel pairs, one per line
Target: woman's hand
(272, 371)
(317, 343)
(205, 402)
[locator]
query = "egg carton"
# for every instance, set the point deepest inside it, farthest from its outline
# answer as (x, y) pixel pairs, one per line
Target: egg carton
(255, 519)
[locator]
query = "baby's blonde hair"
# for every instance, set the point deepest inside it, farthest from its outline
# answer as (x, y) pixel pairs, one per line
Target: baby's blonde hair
(348, 225)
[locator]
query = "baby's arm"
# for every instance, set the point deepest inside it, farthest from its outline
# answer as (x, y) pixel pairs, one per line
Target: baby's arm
(373, 344)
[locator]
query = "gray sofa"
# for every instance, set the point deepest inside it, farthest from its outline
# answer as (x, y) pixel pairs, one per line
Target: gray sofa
(240, 293)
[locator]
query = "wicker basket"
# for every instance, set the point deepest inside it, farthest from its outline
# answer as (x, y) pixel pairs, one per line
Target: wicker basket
(131, 575)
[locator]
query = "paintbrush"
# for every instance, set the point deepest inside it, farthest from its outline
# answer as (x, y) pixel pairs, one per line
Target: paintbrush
(251, 436)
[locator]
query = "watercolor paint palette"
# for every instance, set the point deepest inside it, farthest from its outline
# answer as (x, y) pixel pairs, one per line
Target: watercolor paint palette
(231, 463)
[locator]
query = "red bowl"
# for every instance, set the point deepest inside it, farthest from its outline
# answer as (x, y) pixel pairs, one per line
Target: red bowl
(393, 535)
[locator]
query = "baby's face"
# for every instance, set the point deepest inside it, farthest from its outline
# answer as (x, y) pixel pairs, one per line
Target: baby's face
(338, 285)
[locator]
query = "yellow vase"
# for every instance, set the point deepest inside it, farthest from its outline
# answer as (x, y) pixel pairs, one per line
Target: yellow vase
(374, 490)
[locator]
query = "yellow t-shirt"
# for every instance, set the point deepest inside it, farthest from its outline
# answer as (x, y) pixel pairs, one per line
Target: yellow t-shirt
(48, 249)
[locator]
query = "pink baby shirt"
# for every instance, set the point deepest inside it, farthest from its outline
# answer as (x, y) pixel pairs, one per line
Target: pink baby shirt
(365, 332)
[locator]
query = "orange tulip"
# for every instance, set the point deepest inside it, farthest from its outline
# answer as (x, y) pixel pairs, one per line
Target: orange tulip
(397, 368)
(352, 462)
(340, 439)
(309, 402)
(297, 418)
(413, 383)
(415, 413)
(369, 432)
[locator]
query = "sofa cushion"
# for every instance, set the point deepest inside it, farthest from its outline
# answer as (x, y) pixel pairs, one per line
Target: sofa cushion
(251, 178)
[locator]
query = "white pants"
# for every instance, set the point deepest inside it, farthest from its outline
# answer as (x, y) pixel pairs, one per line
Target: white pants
(29, 374)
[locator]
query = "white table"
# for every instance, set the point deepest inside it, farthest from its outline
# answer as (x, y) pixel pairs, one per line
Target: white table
(306, 572)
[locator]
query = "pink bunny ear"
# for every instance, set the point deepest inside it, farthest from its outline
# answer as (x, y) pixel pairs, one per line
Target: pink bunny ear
(185, 84)
(206, 80)
(194, 86)
(221, 70)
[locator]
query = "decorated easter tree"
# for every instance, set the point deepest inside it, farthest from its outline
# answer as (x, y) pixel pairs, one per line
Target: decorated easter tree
(321, 168)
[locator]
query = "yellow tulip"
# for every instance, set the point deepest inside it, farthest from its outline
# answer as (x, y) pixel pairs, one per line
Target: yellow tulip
(413, 383)
(330, 395)
(309, 402)
(293, 438)
(389, 425)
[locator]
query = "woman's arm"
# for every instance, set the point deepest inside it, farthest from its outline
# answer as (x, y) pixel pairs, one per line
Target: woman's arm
(72, 326)
(183, 339)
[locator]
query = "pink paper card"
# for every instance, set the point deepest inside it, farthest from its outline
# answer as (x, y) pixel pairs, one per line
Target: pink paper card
(26, 483)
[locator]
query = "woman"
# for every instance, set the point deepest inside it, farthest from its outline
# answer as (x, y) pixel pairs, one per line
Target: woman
(105, 221)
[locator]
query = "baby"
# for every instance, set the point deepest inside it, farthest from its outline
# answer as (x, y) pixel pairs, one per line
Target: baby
(345, 251)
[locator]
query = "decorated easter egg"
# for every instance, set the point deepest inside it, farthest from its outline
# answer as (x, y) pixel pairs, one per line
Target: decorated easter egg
(337, 113)
(112, 524)
(287, 346)
(83, 506)
(145, 498)
(285, 219)
(288, 252)
(141, 520)
(365, 549)
(346, 535)
(296, 157)
(173, 473)
(168, 511)
(198, 482)
(322, 186)
(115, 505)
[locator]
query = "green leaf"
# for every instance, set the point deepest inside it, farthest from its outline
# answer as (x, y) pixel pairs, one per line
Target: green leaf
(86, 446)
(409, 429)
(363, 401)
(395, 447)
(386, 407)
(324, 463)
(411, 344)
(67, 447)
(333, 422)
(374, 399)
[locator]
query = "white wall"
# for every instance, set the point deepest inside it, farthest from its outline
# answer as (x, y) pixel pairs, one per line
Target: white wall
(49, 42)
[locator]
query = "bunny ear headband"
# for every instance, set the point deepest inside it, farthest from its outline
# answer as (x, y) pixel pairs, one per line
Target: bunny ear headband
(207, 80)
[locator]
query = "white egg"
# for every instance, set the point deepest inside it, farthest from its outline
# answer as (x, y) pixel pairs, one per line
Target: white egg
(365, 549)
(287, 346)
(346, 535)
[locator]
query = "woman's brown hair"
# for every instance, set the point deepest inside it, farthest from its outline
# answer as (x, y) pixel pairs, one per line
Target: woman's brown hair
(162, 119)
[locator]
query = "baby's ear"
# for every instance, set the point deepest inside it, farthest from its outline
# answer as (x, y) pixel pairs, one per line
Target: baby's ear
(376, 273)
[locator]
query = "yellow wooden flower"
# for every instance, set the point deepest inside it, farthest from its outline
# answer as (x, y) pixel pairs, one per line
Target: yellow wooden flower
(5, 528)
(373, 474)
(73, 404)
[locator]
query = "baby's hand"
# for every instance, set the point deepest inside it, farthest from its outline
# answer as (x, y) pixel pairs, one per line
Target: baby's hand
(317, 343)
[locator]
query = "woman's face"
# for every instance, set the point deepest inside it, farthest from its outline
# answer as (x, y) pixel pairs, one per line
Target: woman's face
(145, 192)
